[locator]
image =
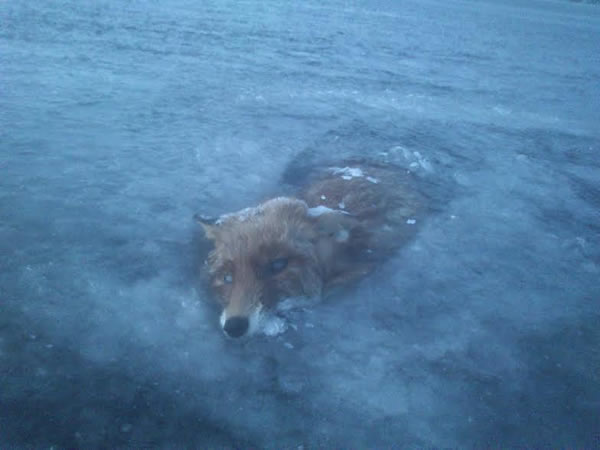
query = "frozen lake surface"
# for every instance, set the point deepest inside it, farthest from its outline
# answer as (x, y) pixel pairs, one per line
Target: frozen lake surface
(120, 120)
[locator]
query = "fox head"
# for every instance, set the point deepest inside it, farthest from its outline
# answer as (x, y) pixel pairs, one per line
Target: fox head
(262, 255)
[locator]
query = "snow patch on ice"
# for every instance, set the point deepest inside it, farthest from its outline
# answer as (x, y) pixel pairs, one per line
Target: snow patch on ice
(414, 158)
(321, 209)
(298, 302)
(342, 236)
(271, 325)
(423, 162)
(347, 173)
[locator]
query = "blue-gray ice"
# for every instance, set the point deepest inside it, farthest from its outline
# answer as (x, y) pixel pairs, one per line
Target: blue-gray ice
(120, 120)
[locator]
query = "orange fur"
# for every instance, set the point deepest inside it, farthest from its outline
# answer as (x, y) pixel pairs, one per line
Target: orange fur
(344, 221)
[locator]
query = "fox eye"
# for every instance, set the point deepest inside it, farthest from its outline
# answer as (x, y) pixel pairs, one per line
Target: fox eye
(277, 265)
(227, 278)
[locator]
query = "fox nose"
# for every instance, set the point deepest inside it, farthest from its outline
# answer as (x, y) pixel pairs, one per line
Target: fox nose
(236, 326)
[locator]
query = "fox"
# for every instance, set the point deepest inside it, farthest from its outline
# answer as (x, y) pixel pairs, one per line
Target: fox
(341, 223)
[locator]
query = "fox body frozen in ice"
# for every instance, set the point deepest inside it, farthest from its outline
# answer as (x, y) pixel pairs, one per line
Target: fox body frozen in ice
(339, 225)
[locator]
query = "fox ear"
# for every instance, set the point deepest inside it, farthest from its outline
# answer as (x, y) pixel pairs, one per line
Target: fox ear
(209, 224)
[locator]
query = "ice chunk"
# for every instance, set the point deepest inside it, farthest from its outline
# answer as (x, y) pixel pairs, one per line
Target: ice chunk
(321, 209)
(272, 325)
(342, 236)
(348, 173)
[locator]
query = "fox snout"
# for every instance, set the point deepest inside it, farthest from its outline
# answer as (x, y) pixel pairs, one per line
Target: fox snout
(236, 327)
(237, 322)
(242, 303)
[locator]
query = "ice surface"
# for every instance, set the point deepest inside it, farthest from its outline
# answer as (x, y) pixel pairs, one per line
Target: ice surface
(119, 121)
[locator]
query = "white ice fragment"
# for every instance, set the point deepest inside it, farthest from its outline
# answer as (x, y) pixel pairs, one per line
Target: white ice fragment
(373, 180)
(355, 172)
(323, 197)
(348, 173)
(423, 162)
(426, 165)
(309, 325)
(289, 345)
(404, 150)
(272, 325)
(342, 236)
(297, 302)
(411, 221)
(287, 304)
(321, 209)
(341, 205)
